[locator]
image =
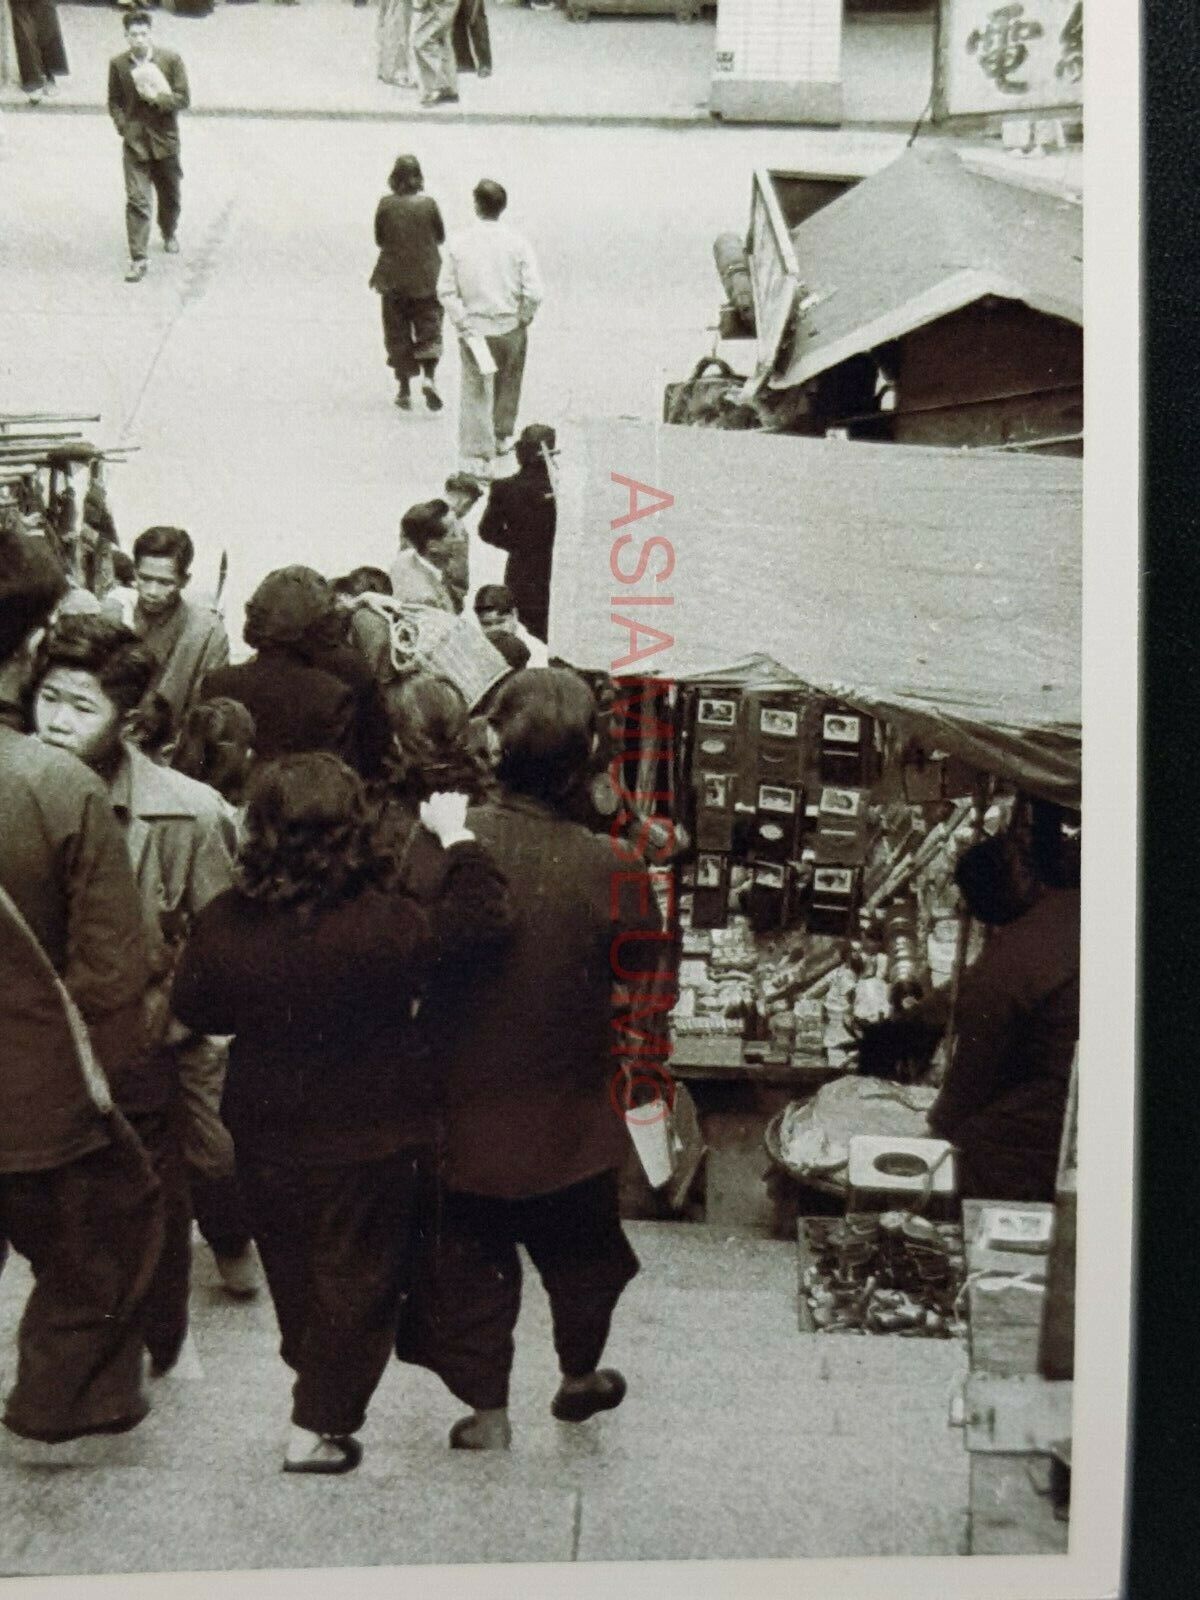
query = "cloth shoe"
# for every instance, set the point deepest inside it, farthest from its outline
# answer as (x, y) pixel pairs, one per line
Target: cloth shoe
(600, 1391)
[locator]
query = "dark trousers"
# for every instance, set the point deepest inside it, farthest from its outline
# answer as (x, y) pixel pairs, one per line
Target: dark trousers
(144, 180)
(412, 331)
(40, 54)
(336, 1246)
(91, 1232)
(165, 1309)
(220, 1214)
(467, 1286)
(472, 41)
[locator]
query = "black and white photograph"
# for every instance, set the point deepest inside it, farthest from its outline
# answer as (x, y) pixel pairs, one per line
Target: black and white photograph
(472, 474)
(776, 797)
(717, 713)
(778, 724)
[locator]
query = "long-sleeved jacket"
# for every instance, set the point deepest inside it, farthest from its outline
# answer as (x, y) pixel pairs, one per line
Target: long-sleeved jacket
(521, 517)
(295, 706)
(535, 1040)
(64, 863)
(328, 1062)
(188, 644)
(1016, 1029)
(148, 131)
(489, 282)
(408, 231)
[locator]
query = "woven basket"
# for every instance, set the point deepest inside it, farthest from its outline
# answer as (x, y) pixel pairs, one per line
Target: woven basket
(455, 648)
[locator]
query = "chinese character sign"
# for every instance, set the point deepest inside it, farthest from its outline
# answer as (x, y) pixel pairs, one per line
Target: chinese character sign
(1023, 55)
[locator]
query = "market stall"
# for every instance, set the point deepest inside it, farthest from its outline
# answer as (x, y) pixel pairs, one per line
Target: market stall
(913, 619)
(52, 486)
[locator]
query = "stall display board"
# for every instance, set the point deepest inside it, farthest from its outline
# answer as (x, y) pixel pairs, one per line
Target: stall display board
(1004, 59)
(778, 61)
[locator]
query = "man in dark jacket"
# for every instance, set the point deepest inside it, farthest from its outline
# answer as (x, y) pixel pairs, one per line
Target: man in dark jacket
(296, 706)
(77, 1196)
(1016, 1027)
(521, 517)
(147, 88)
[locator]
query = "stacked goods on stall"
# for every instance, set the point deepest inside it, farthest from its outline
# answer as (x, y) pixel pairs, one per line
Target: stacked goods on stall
(820, 897)
(44, 461)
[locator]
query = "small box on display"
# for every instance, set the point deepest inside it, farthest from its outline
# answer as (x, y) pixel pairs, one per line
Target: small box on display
(769, 900)
(778, 817)
(710, 896)
(847, 747)
(775, 738)
(842, 836)
(835, 894)
(716, 729)
(714, 810)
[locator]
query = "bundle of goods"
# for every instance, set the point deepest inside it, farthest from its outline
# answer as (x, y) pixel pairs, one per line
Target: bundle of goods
(424, 639)
(810, 1139)
(895, 1273)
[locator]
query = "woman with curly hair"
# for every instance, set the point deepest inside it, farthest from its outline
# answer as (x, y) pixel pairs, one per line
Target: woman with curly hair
(216, 746)
(316, 962)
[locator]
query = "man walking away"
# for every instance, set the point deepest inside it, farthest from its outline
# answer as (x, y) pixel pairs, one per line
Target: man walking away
(491, 290)
(472, 40)
(433, 48)
(186, 638)
(147, 88)
(77, 1196)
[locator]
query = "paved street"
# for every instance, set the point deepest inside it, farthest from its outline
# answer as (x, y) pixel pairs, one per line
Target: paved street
(319, 57)
(740, 1438)
(250, 368)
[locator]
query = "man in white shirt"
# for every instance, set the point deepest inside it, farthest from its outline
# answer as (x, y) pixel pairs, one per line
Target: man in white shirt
(490, 289)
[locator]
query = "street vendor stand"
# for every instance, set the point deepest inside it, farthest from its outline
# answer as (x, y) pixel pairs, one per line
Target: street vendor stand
(52, 486)
(865, 652)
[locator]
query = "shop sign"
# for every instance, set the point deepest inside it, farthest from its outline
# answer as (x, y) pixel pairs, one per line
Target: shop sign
(1023, 55)
(774, 273)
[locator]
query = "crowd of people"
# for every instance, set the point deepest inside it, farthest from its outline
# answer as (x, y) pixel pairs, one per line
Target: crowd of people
(312, 949)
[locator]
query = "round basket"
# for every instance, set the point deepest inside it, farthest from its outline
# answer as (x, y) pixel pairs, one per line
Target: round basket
(425, 639)
(827, 1183)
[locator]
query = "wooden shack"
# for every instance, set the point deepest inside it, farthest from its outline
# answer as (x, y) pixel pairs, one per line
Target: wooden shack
(938, 304)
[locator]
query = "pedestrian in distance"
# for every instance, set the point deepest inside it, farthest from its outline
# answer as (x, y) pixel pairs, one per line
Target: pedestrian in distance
(315, 963)
(147, 89)
(491, 289)
(409, 231)
(433, 47)
(41, 54)
(394, 43)
(472, 39)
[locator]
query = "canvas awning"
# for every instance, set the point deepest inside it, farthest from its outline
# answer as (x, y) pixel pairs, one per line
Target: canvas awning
(938, 589)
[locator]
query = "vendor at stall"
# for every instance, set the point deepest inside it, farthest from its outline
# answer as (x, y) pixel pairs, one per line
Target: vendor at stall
(1017, 1022)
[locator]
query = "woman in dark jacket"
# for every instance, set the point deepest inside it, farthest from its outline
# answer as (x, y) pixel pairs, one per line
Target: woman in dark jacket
(315, 964)
(296, 702)
(408, 231)
(535, 1091)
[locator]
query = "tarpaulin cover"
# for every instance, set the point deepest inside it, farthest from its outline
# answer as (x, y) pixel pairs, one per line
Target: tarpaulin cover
(939, 589)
